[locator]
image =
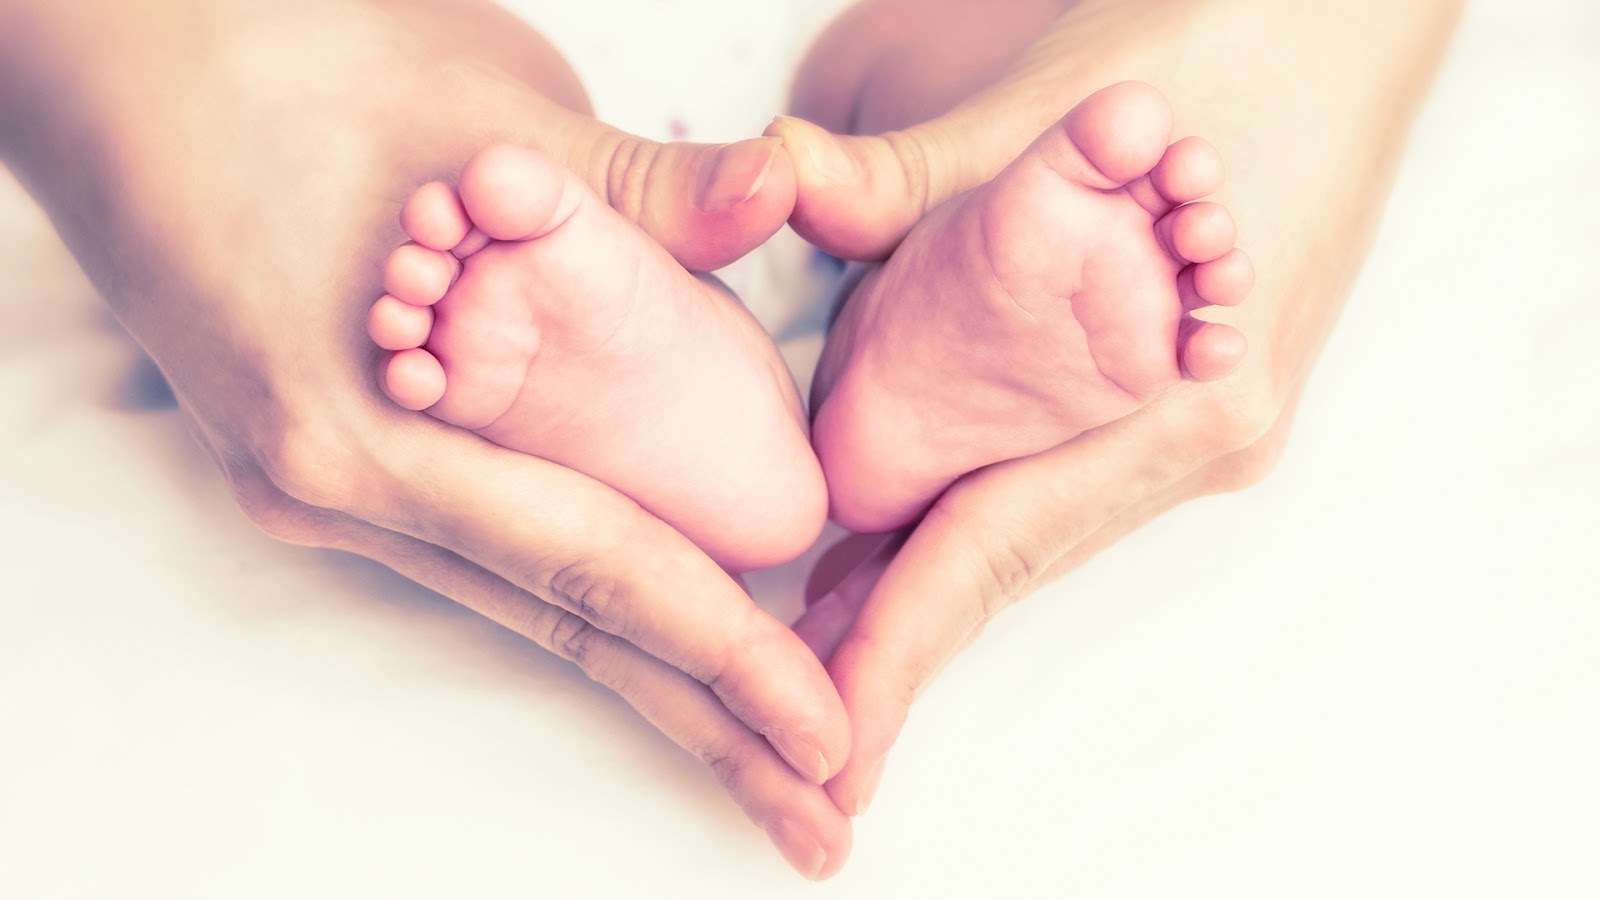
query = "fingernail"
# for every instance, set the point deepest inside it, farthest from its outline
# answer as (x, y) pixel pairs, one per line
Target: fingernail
(869, 787)
(819, 148)
(738, 174)
(802, 852)
(802, 755)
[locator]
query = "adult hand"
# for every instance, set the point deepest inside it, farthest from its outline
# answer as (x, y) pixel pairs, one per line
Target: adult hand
(1005, 530)
(233, 202)
(1306, 211)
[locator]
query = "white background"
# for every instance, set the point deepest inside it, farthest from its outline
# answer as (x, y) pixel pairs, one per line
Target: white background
(1374, 675)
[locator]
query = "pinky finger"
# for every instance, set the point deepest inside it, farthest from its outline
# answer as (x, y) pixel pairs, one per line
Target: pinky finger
(798, 815)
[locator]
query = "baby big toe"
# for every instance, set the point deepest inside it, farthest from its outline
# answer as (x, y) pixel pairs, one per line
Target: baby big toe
(513, 193)
(1121, 131)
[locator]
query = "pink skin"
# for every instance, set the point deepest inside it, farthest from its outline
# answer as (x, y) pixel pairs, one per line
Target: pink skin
(529, 311)
(1050, 301)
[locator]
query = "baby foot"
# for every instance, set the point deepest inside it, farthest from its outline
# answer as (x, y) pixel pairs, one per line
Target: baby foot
(528, 311)
(1051, 300)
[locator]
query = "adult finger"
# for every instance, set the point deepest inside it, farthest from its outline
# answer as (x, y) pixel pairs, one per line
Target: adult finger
(827, 619)
(586, 548)
(989, 538)
(858, 195)
(800, 818)
(1228, 470)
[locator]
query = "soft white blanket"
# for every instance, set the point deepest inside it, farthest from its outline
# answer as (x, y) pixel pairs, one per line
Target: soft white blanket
(1373, 676)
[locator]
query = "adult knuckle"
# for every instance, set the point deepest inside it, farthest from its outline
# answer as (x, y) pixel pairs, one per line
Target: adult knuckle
(593, 651)
(913, 154)
(748, 637)
(576, 640)
(587, 587)
(272, 511)
(257, 498)
(628, 166)
(1006, 563)
(1012, 569)
(313, 464)
(727, 764)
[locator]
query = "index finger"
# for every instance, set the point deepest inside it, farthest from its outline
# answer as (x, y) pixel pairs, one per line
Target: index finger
(799, 817)
(586, 548)
(994, 534)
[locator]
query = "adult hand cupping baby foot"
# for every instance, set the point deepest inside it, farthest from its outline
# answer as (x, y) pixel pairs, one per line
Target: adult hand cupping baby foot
(1057, 298)
(1003, 530)
(235, 217)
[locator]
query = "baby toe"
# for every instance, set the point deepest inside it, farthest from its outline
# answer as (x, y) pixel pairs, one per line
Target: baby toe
(418, 275)
(396, 325)
(1209, 350)
(1190, 169)
(1197, 232)
(1224, 281)
(414, 379)
(434, 217)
